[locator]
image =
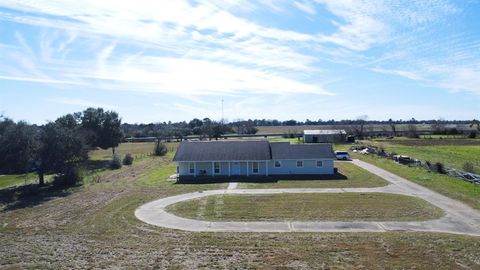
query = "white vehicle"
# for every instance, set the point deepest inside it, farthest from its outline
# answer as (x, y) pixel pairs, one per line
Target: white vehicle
(342, 155)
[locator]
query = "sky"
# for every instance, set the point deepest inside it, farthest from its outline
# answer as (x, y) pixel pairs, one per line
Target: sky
(155, 61)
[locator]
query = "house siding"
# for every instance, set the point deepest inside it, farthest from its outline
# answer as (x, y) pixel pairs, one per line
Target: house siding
(289, 167)
(224, 168)
(309, 167)
(324, 138)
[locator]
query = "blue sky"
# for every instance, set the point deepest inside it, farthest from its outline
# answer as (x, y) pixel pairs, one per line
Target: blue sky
(155, 61)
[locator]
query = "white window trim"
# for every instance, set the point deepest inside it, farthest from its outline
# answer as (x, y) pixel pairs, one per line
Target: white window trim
(316, 163)
(219, 168)
(190, 168)
(275, 164)
(297, 163)
(258, 168)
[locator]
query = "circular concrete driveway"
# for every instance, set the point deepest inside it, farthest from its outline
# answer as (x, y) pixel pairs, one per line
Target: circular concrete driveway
(458, 219)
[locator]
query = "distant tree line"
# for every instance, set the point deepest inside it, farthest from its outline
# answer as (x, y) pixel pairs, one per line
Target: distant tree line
(205, 128)
(210, 129)
(59, 147)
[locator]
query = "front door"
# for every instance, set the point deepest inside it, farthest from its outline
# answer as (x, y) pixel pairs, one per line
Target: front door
(235, 168)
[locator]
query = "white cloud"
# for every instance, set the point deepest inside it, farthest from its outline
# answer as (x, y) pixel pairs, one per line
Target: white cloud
(196, 48)
(79, 102)
(305, 6)
(403, 73)
(212, 51)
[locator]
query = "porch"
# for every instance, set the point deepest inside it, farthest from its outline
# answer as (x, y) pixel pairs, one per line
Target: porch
(223, 168)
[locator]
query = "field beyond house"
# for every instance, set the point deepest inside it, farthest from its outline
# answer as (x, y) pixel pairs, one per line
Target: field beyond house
(454, 153)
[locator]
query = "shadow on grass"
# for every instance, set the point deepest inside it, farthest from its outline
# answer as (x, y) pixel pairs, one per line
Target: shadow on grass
(259, 179)
(29, 196)
(92, 165)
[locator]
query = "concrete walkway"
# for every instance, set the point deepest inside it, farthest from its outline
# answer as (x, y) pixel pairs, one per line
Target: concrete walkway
(232, 186)
(458, 219)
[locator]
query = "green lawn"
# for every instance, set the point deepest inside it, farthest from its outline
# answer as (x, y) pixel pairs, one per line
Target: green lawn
(15, 179)
(10, 180)
(308, 207)
(138, 150)
(356, 177)
(451, 152)
(446, 185)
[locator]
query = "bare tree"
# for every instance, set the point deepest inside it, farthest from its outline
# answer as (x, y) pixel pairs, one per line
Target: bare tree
(475, 122)
(393, 126)
(360, 125)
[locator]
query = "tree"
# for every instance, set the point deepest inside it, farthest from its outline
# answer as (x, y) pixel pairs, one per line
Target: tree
(102, 129)
(392, 126)
(18, 145)
(475, 122)
(110, 132)
(61, 151)
(412, 131)
(359, 126)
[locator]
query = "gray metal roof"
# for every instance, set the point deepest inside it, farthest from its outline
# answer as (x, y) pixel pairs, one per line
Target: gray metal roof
(223, 150)
(302, 151)
(250, 150)
(324, 132)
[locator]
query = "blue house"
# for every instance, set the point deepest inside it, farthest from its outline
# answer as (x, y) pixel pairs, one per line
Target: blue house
(252, 159)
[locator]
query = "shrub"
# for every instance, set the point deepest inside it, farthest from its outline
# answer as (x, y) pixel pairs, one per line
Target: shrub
(128, 159)
(412, 132)
(468, 167)
(69, 177)
(160, 149)
(439, 168)
(116, 162)
(472, 135)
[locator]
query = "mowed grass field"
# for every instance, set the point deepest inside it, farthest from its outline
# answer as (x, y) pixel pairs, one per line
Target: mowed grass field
(451, 152)
(93, 226)
(308, 207)
(354, 177)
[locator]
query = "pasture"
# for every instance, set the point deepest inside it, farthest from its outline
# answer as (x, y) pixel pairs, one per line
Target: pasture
(451, 152)
(446, 185)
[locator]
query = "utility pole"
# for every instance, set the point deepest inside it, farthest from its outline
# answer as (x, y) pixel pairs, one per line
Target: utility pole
(222, 114)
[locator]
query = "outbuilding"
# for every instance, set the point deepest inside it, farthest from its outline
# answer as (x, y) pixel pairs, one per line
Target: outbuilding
(324, 136)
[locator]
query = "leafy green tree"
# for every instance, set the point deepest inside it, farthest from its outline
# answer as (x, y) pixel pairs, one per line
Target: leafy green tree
(102, 128)
(18, 145)
(62, 150)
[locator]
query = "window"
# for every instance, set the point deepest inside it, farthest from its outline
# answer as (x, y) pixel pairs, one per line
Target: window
(191, 168)
(299, 163)
(319, 163)
(255, 167)
(278, 164)
(216, 166)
